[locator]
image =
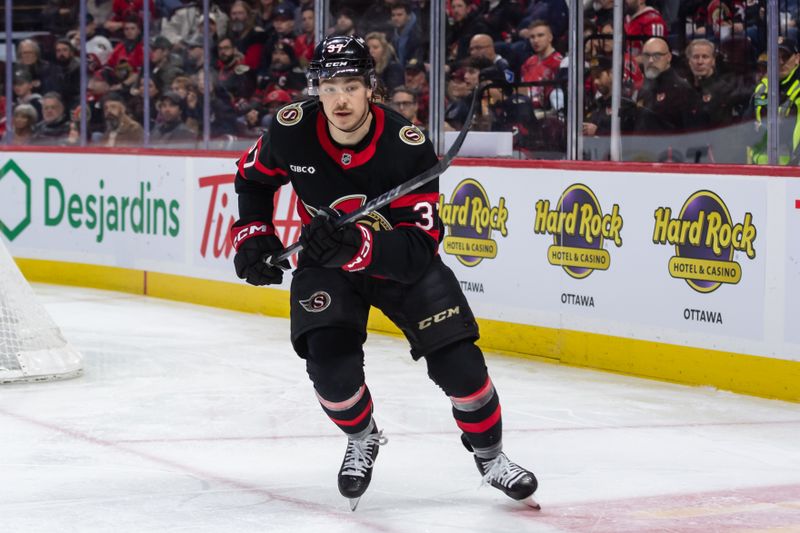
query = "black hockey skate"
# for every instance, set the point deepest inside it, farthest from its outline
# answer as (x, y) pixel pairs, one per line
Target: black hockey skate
(356, 471)
(516, 482)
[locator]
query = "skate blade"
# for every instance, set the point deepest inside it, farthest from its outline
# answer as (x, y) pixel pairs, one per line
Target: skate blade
(533, 504)
(354, 503)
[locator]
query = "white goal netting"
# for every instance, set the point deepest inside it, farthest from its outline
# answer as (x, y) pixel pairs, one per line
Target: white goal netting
(32, 347)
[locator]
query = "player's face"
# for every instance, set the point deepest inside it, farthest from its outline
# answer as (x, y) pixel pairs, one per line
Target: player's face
(344, 101)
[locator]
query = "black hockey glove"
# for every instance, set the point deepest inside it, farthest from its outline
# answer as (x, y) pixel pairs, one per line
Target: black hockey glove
(252, 242)
(348, 247)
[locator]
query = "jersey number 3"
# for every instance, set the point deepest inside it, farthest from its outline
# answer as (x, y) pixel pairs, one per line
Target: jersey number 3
(425, 210)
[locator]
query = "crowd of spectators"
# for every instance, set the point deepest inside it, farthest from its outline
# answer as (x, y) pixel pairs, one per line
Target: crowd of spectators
(688, 66)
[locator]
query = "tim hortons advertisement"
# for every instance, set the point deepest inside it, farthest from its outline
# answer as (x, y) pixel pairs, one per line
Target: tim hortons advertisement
(792, 264)
(108, 210)
(216, 210)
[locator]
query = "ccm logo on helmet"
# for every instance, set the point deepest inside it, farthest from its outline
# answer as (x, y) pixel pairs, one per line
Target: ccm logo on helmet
(302, 169)
(438, 317)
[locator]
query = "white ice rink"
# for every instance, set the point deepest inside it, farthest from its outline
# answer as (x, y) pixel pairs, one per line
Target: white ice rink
(196, 419)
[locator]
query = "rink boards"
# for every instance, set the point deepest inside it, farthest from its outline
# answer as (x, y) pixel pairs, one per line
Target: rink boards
(683, 273)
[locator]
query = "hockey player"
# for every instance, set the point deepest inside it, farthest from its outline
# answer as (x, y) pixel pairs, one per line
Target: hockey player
(339, 150)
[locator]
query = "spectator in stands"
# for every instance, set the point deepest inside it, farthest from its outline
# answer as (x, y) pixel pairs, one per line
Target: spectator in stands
(65, 73)
(599, 13)
(59, 16)
(54, 127)
(377, 16)
(304, 43)
(504, 110)
(265, 13)
(245, 35)
(603, 45)
(233, 75)
(193, 57)
(29, 57)
(387, 68)
(284, 73)
(171, 128)
(248, 124)
(721, 98)
(164, 66)
(406, 37)
(554, 12)
(120, 128)
(281, 30)
(669, 102)
(136, 102)
(186, 23)
(97, 87)
(345, 23)
(457, 106)
(25, 119)
(642, 21)
(404, 101)
(543, 65)
(464, 23)
(181, 85)
(788, 116)
(24, 94)
(223, 114)
(501, 17)
(598, 121)
(130, 52)
(98, 11)
(416, 79)
(123, 11)
(481, 45)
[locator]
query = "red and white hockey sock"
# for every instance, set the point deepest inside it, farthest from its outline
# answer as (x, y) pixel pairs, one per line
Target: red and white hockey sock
(353, 415)
(478, 416)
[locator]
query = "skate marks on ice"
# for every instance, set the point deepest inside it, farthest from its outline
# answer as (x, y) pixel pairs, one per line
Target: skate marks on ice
(199, 419)
(762, 509)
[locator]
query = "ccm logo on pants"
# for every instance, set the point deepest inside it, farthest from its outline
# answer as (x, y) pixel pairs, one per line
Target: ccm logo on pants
(438, 317)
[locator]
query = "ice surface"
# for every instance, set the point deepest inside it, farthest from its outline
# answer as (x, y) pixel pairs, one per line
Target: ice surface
(190, 418)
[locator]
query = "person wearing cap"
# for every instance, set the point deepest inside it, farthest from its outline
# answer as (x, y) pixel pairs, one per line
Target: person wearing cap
(283, 72)
(24, 93)
(120, 128)
(788, 111)
(193, 56)
(163, 64)
(280, 30)
(171, 128)
(670, 104)
(416, 79)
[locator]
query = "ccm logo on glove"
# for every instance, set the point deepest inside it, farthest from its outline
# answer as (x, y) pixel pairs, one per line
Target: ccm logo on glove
(363, 257)
(242, 233)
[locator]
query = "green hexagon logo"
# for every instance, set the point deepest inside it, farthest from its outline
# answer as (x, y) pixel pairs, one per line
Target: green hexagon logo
(15, 184)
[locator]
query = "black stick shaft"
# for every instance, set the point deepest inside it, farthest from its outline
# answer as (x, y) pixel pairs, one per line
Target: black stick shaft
(392, 194)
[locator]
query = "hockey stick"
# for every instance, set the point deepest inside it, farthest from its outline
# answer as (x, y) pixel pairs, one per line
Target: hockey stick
(401, 190)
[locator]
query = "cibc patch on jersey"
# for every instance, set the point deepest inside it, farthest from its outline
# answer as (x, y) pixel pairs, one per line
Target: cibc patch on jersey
(290, 115)
(317, 302)
(412, 135)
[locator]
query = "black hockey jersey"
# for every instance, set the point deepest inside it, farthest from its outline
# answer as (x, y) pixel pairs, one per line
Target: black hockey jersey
(299, 149)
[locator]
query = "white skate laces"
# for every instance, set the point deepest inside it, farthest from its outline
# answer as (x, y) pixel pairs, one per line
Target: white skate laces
(502, 471)
(359, 456)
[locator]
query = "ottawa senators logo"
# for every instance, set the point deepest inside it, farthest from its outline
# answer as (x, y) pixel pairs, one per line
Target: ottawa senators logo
(290, 115)
(317, 302)
(412, 135)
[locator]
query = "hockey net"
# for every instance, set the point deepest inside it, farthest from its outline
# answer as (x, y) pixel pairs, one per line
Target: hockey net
(32, 347)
